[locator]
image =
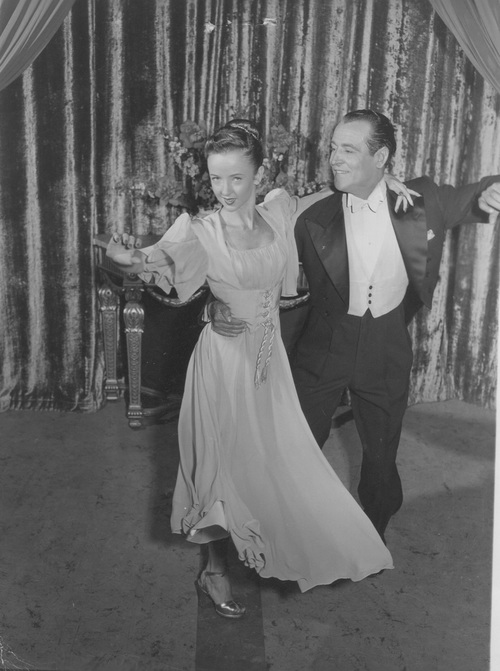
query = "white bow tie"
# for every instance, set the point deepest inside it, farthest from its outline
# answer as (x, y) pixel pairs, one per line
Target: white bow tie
(357, 205)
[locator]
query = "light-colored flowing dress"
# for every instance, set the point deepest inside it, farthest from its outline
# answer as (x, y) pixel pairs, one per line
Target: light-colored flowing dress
(249, 464)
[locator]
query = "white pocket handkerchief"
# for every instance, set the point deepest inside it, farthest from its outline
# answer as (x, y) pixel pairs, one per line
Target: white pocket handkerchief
(430, 234)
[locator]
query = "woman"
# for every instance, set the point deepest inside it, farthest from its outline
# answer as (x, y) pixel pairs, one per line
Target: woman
(250, 468)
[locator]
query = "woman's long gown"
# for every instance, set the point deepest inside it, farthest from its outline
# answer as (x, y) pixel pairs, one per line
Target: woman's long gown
(249, 465)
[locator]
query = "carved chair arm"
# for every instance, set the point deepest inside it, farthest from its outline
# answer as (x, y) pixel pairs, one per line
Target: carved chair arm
(175, 302)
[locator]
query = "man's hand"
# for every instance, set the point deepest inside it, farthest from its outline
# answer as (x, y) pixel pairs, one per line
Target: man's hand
(489, 201)
(222, 321)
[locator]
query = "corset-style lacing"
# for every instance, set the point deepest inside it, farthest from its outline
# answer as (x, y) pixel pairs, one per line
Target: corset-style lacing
(267, 340)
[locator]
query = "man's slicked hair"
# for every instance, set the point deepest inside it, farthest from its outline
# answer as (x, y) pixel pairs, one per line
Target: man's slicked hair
(383, 132)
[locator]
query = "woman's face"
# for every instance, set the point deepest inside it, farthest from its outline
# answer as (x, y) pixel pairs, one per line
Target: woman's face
(233, 178)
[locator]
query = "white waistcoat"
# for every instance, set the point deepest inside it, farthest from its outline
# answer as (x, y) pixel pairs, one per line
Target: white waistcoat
(377, 275)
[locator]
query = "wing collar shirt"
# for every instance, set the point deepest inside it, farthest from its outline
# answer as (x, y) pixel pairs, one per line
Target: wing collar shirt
(377, 274)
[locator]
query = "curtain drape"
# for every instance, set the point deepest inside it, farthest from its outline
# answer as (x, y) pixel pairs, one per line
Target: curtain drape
(476, 25)
(49, 347)
(26, 26)
(94, 136)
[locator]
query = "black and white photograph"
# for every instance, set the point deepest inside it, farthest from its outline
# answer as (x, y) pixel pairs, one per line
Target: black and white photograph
(249, 308)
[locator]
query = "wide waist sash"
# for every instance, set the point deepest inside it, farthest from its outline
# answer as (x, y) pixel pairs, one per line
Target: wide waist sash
(258, 308)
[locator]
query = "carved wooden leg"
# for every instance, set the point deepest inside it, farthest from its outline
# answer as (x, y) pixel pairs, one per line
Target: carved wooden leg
(133, 316)
(109, 305)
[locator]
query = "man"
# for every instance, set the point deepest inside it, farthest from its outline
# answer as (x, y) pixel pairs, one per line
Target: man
(369, 270)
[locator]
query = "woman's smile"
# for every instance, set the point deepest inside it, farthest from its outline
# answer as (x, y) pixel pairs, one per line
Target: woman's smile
(233, 178)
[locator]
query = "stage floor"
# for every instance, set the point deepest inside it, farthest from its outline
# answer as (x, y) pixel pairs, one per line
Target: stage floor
(92, 579)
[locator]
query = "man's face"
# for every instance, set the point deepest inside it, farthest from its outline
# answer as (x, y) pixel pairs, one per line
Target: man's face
(355, 170)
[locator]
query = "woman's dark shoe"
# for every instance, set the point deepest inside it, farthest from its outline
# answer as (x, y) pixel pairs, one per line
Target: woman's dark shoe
(229, 608)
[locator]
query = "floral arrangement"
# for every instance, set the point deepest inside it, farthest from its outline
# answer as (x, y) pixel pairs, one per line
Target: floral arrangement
(188, 188)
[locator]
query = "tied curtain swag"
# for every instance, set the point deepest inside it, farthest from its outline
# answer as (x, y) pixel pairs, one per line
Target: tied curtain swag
(476, 25)
(94, 136)
(26, 27)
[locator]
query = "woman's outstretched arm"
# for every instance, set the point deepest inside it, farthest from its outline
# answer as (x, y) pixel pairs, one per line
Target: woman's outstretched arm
(124, 251)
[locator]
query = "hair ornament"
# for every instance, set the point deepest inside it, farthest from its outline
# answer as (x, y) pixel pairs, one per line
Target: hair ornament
(248, 131)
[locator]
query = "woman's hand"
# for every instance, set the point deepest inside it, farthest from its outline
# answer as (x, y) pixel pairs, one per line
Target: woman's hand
(404, 194)
(123, 250)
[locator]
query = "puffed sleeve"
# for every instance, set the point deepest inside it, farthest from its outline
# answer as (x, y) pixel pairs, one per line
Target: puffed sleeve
(177, 260)
(288, 209)
(282, 207)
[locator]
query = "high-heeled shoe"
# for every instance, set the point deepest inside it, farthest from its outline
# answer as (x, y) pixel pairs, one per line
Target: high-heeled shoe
(230, 608)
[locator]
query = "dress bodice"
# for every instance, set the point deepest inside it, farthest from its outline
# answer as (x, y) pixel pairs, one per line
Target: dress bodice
(249, 282)
(254, 292)
(259, 267)
(193, 251)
